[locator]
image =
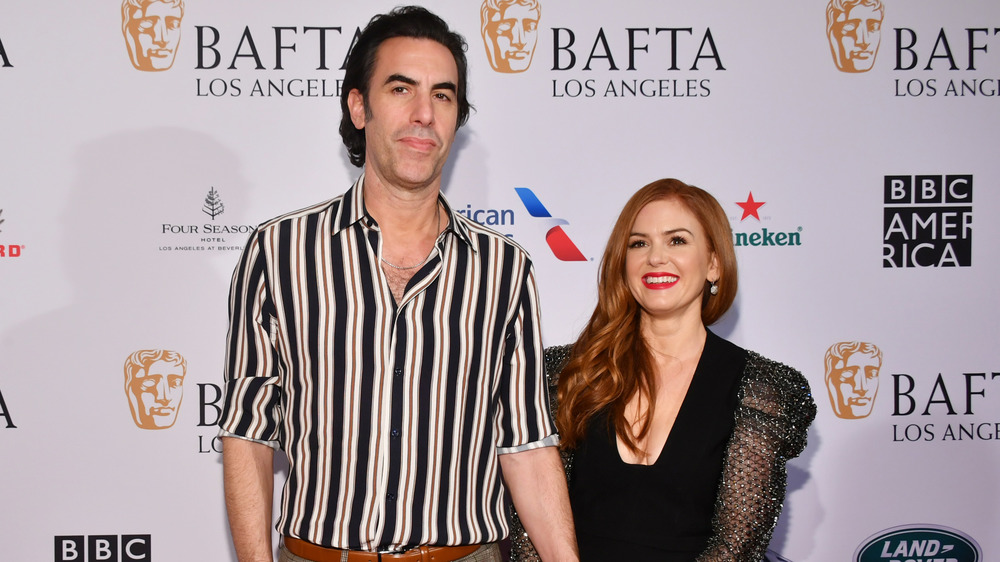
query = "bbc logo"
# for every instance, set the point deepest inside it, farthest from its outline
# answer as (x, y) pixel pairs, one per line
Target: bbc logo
(927, 221)
(103, 548)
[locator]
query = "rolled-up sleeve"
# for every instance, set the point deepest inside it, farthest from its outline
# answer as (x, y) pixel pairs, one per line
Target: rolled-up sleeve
(525, 421)
(251, 408)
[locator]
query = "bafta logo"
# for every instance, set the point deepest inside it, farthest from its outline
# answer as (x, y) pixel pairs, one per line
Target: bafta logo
(854, 30)
(510, 33)
(154, 384)
(152, 30)
(852, 370)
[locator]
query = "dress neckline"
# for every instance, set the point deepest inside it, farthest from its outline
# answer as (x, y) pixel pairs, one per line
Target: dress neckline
(682, 412)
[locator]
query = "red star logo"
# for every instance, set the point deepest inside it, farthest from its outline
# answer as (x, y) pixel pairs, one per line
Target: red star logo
(750, 207)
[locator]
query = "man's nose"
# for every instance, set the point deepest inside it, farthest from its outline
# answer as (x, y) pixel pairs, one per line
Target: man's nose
(422, 110)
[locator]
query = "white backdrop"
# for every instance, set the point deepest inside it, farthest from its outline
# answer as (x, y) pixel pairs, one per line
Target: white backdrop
(108, 243)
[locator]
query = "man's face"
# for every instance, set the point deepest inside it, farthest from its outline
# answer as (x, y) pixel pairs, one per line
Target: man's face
(852, 384)
(155, 33)
(513, 33)
(158, 391)
(413, 112)
(857, 34)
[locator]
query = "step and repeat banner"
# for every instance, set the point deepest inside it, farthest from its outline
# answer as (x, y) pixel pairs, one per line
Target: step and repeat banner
(853, 145)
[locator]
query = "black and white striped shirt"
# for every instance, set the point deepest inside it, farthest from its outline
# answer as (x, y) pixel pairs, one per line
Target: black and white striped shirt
(392, 416)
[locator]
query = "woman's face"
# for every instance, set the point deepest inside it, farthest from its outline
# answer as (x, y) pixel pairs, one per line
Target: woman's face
(668, 261)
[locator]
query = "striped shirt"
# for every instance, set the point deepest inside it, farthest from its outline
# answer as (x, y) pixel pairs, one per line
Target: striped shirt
(391, 416)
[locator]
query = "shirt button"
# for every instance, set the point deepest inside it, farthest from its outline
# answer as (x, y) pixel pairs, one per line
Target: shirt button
(397, 372)
(394, 433)
(391, 497)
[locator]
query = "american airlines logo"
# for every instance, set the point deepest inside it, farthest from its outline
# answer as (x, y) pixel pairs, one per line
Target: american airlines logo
(559, 242)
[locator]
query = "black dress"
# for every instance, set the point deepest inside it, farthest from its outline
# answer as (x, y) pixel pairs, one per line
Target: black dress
(715, 492)
(663, 511)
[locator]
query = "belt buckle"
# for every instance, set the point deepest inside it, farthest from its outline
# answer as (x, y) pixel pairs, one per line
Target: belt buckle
(392, 552)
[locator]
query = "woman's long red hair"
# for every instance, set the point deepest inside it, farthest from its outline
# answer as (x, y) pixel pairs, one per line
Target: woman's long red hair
(610, 362)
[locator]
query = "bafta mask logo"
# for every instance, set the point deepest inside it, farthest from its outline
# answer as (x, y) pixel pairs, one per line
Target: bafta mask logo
(854, 29)
(852, 370)
(152, 30)
(510, 33)
(154, 384)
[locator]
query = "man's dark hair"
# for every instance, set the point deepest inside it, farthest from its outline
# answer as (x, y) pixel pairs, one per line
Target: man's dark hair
(405, 21)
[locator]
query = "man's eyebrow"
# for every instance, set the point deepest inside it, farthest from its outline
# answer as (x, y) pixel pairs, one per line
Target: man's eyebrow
(450, 86)
(400, 78)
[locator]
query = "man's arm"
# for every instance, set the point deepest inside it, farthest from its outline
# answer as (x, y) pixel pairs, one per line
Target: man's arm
(248, 475)
(537, 485)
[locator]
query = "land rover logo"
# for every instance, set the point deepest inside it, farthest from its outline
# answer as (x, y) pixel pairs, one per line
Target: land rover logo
(919, 543)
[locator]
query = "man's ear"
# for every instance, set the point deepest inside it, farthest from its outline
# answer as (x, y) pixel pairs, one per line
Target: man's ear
(356, 105)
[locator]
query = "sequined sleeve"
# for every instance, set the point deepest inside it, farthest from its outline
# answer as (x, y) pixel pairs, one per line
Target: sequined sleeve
(521, 549)
(774, 413)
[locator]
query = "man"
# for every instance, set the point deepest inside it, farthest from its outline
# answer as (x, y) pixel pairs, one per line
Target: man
(510, 33)
(854, 30)
(390, 346)
(152, 30)
(154, 384)
(852, 370)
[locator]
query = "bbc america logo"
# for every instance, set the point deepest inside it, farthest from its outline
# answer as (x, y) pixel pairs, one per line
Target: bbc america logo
(103, 548)
(927, 221)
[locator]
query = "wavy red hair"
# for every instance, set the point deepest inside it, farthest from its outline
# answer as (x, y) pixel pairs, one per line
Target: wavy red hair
(610, 362)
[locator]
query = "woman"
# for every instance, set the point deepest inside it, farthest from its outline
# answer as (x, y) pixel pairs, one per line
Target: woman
(674, 439)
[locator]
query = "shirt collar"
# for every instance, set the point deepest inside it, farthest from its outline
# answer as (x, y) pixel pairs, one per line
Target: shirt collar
(353, 211)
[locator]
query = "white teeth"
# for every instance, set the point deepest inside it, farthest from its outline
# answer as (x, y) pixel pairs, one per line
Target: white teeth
(660, 279)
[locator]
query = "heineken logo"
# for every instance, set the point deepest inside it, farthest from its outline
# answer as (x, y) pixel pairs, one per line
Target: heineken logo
(919, 543)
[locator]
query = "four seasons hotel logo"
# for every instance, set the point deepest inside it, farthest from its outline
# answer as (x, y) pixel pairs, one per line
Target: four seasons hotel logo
(510, 33)
(152, 30)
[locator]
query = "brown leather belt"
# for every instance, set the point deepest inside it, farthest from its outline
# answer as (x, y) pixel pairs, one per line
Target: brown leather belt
(424, 553)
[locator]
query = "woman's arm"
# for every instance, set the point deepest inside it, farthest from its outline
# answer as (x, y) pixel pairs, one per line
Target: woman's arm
(774, 413)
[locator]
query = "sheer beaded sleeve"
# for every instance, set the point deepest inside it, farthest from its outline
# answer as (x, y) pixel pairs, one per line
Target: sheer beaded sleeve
(521, 549)
(774, 413)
